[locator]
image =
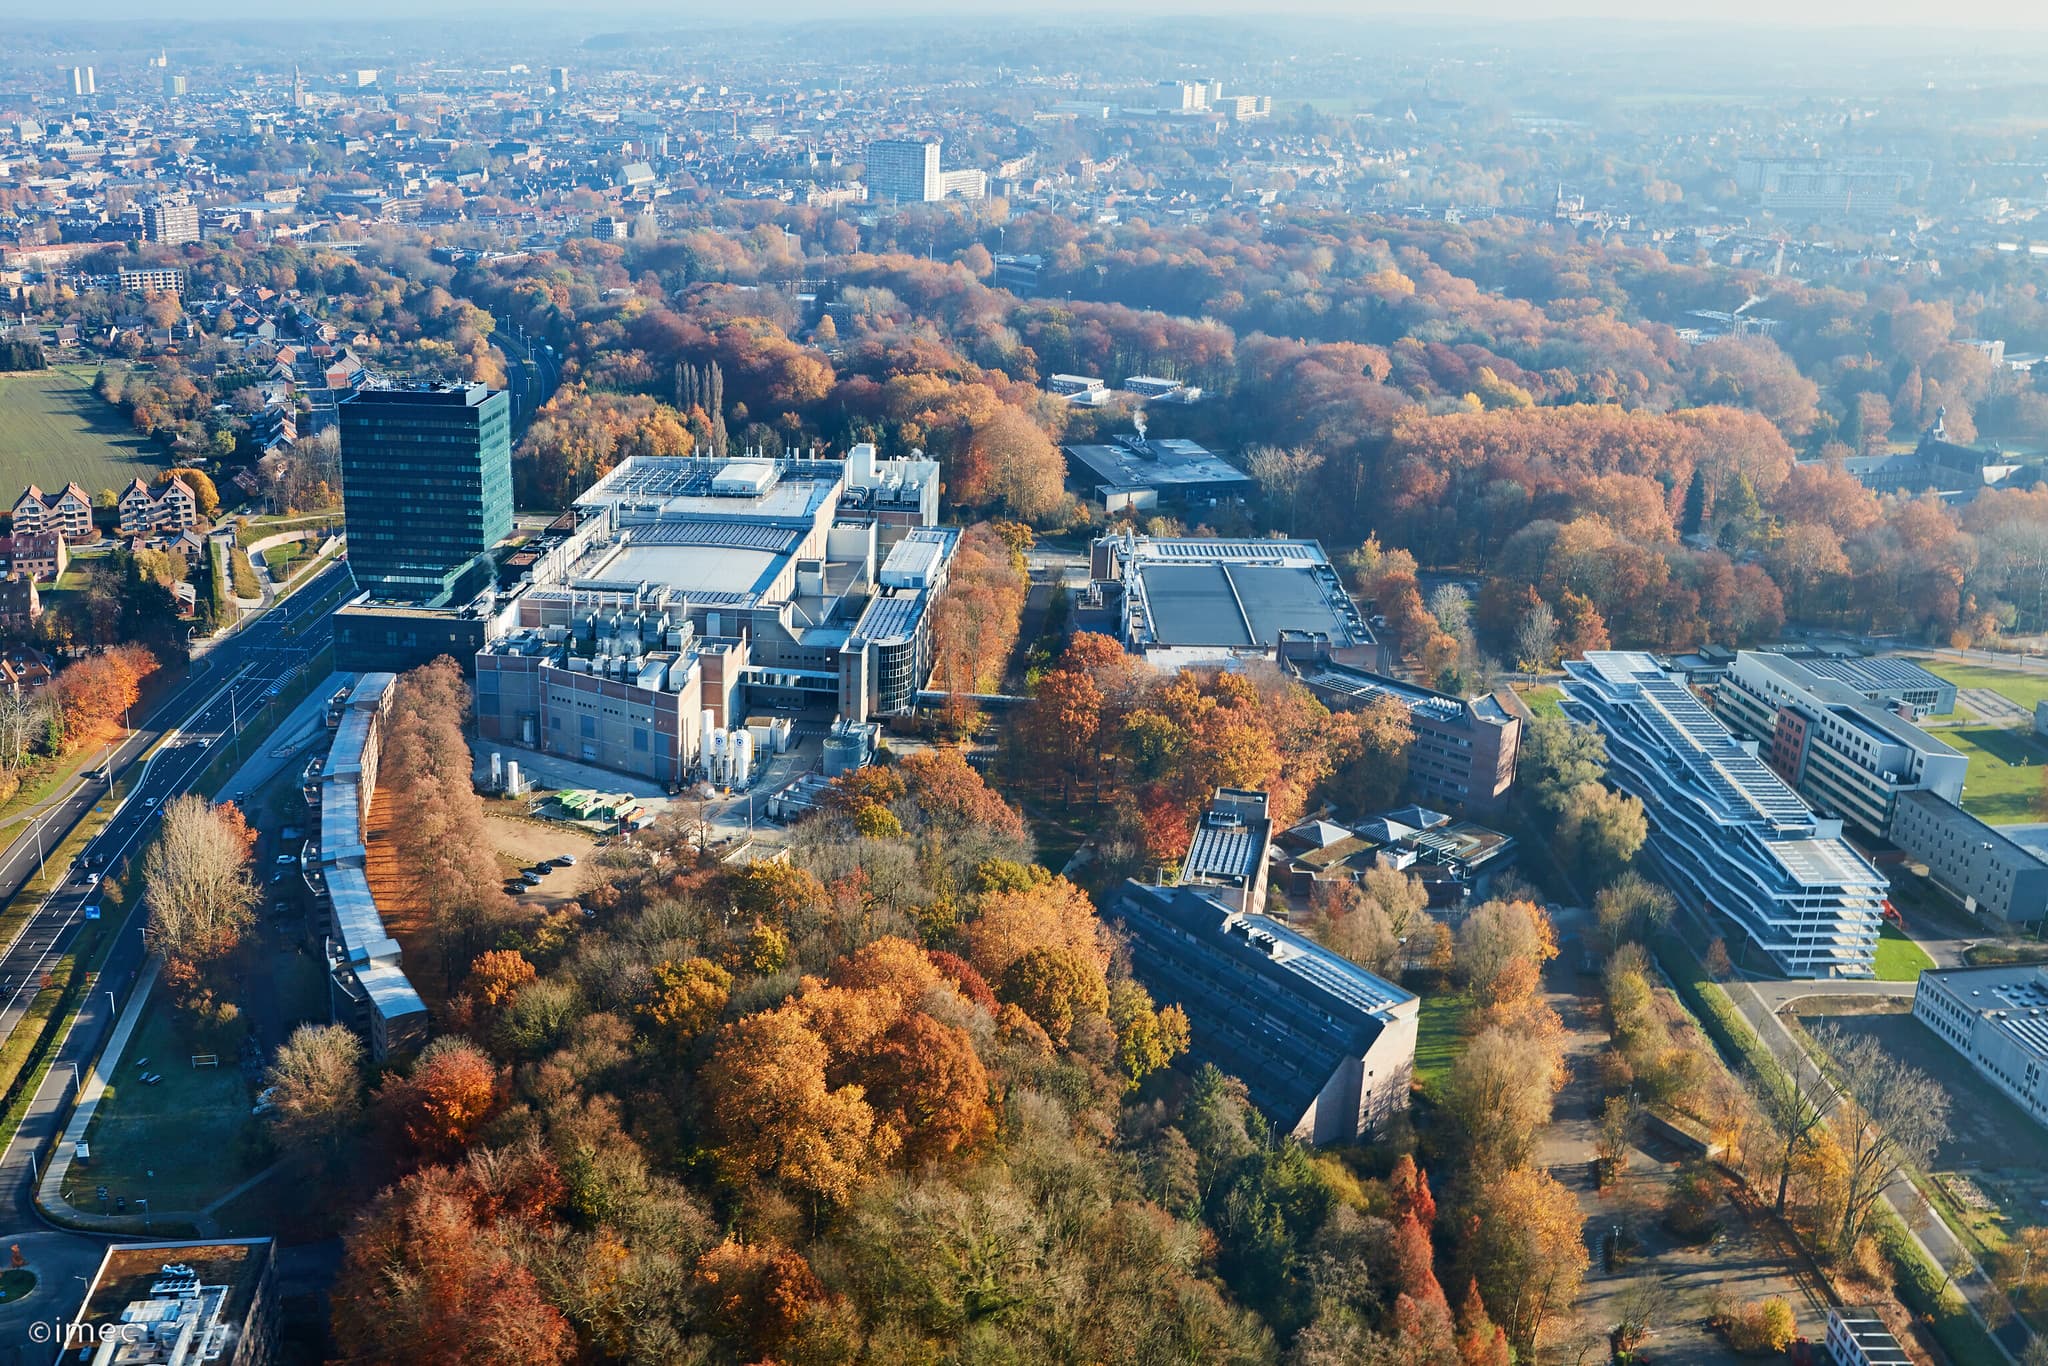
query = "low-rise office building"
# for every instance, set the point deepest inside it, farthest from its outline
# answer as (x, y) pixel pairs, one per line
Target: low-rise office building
(1998, 1019)
(1977, 863)
(211, 1301)
(367, 988)
(1325, 1048)
(1727, 834)
(1845, 753)
(1139, 473)
(1465, 749)
(1187, 602)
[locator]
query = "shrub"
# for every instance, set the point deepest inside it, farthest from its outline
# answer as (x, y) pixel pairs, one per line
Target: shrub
(1761, 1327)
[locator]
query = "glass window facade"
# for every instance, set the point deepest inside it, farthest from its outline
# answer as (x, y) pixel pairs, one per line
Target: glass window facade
(427, 488)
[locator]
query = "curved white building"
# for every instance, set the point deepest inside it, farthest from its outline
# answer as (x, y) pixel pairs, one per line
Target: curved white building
(1725, 831)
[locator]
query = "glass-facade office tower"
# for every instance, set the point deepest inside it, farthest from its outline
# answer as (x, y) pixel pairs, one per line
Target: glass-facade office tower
(427, 488)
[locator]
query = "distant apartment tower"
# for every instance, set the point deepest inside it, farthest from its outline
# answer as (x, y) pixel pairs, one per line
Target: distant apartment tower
(170, 221)
(965, 184)
(558, 77)
(1726, 833)
(82, 81)
(905, 170)
(1829, 185)
(175, 87)
(426, 488)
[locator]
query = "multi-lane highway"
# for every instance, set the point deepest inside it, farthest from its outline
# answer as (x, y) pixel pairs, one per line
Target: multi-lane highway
(232, 683)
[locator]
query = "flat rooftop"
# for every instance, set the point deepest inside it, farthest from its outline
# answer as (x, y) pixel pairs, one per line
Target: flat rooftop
(2013, 1000)
(1156, 463)
(1237, 605)
(717, 569)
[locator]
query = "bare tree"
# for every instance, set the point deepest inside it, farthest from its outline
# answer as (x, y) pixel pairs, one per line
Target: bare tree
(1892, 1117)
(1795, 1108)
(1282, 474)
(1536, 639)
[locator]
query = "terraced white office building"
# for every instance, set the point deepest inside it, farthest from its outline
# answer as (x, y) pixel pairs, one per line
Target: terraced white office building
(1726, 833)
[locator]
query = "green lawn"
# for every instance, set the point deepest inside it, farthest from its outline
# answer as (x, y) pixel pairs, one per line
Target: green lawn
(2025, 689)
(1544, 700)
(2003, 785)
(1440, 1035)
(1899, 959)
(54, 429)
(187, 1129)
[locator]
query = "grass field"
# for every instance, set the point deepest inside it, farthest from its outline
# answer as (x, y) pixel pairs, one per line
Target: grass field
(1899, 959)
(186, 1130)
(2003, 785)
(1439, 1035)
(54, 428)
(2025, 689)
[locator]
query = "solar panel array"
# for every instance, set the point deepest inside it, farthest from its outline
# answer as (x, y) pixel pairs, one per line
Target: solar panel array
(1881, 672)
(1315, 964)
(1231, 552)
(1736, 778)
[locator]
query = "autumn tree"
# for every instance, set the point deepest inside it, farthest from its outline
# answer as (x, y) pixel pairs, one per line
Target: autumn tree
(776, 1116)
(1631, 906)
(437, 1109)
(432, 1275)
(1499, 1095)
(316, 1086)
(1527, 1251)
(197, 881)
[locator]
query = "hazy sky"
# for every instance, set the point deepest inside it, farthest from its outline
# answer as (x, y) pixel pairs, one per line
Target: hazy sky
(1973, 14)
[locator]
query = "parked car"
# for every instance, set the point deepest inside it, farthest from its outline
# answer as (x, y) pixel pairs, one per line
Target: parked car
(565, 861)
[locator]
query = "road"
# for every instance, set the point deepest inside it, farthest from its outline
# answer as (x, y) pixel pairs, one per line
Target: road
(1759, 1003)
(239, 675)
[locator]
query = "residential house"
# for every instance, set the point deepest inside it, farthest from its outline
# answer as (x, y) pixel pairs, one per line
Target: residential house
(19, 605)
(69, 511)
(173, 509)
(34, 555)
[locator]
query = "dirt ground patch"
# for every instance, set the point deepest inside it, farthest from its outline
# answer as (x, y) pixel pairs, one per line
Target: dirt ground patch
(521, 842)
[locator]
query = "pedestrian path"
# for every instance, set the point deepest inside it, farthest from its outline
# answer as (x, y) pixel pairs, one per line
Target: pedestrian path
(50, 1191)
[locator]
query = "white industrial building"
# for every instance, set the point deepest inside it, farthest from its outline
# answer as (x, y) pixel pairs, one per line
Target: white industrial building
(1998, 1019)
(693, 593)
(367, 988)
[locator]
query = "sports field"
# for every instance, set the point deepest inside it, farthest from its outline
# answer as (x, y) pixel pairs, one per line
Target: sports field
(54, 429)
